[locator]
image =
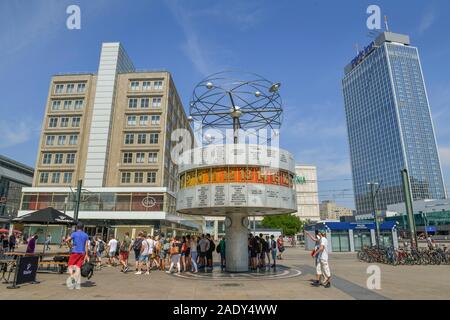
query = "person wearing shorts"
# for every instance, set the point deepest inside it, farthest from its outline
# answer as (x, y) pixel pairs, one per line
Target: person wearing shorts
(144, 255)
(125, 248)
(79, 254)
(273, 249)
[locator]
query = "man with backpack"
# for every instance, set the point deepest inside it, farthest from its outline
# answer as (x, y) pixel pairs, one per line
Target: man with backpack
(209, 252)
(221, 247)
(137, 243)
(164, 252)
(144, 255)
(98, 251)
(125, 248)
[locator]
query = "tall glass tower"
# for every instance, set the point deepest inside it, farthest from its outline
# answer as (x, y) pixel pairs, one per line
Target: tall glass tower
(389, 124)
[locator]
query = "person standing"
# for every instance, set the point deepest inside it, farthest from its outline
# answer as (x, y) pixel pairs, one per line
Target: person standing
(204, 247)
(316, 240)
(194, 253)
(78, 241)
(273, 249)
(5, 242)
(112, 249)
(152, 252)
(280, 247)
(267, 251)
(262, 256)
(252, 243)
(322, 255)
(183, 252)
(47, 242)
(209, 252)
(32, 244)
(175, 252)
(12, 242)
(163, 251)
(221, 247)
(125, 248)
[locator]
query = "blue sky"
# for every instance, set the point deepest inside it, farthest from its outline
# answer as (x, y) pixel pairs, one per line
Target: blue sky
(302, 44)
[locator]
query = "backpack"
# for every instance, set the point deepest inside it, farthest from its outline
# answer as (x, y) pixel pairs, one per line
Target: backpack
(137, 244)
(212, 246)
(175, 249)
(166, 245)
(218, 248)
(100, 246)
(87, 270)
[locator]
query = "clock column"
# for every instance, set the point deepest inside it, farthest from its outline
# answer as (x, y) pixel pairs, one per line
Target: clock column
(236, 252)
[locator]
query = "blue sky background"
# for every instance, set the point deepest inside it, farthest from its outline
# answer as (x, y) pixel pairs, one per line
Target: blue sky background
(302, 44)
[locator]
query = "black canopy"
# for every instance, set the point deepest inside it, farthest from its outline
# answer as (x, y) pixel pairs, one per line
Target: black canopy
(45, 216)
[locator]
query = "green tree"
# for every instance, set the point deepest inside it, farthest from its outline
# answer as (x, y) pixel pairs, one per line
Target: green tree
(290, 224)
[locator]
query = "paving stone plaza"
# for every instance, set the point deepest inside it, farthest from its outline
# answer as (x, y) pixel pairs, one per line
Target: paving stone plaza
(291, 281)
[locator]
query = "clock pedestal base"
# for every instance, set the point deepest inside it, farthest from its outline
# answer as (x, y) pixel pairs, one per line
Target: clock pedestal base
(236, 252)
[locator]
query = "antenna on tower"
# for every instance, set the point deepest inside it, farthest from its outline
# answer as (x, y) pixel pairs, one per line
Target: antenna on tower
(357, 48)
(386, 23)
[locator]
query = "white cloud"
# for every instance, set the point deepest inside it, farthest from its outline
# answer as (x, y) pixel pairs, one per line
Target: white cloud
(427, 21)
(14, 133)
(444, 153)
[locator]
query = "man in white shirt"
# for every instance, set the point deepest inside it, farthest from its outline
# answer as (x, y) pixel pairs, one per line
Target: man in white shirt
(112, 249)
(144, 256)
(322, 255)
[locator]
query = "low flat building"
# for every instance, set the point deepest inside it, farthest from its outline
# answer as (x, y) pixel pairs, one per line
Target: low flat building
(330, 210)
(13, 177)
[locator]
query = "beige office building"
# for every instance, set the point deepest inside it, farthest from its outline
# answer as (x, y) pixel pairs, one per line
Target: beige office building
(329, 210)
(112, 130)
(307, 192)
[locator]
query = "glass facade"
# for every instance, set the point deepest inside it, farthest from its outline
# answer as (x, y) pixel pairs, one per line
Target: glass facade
(390, 128)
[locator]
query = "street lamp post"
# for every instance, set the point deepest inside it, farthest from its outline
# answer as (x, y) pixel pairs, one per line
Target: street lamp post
(373, 198)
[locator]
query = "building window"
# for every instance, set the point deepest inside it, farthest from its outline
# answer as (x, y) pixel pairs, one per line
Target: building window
(56, 104)
(55, 177)
(76, 122)
(78, 104)
(145, 102)
(146, 85)
(53, 122)
(131, 120)
(47, 158)
(156, 102)
(140, 156)
(44, 177)
(128, 157)
(61, 140)
(64, 122)
(138, 177)
(81, 87)
(59, 88)
(67, 177)
(154, 138)
(143, 120)
(70, 159)
(50, 140)
(158, 85)
(126, 177)
(142, 138)
(134, 85)
(152, 157)
(129, 138)
(151, 177)
(70, 87)
(73, 140)
(58, 158)
(156, 120)
(132, 103)
(67, 104)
